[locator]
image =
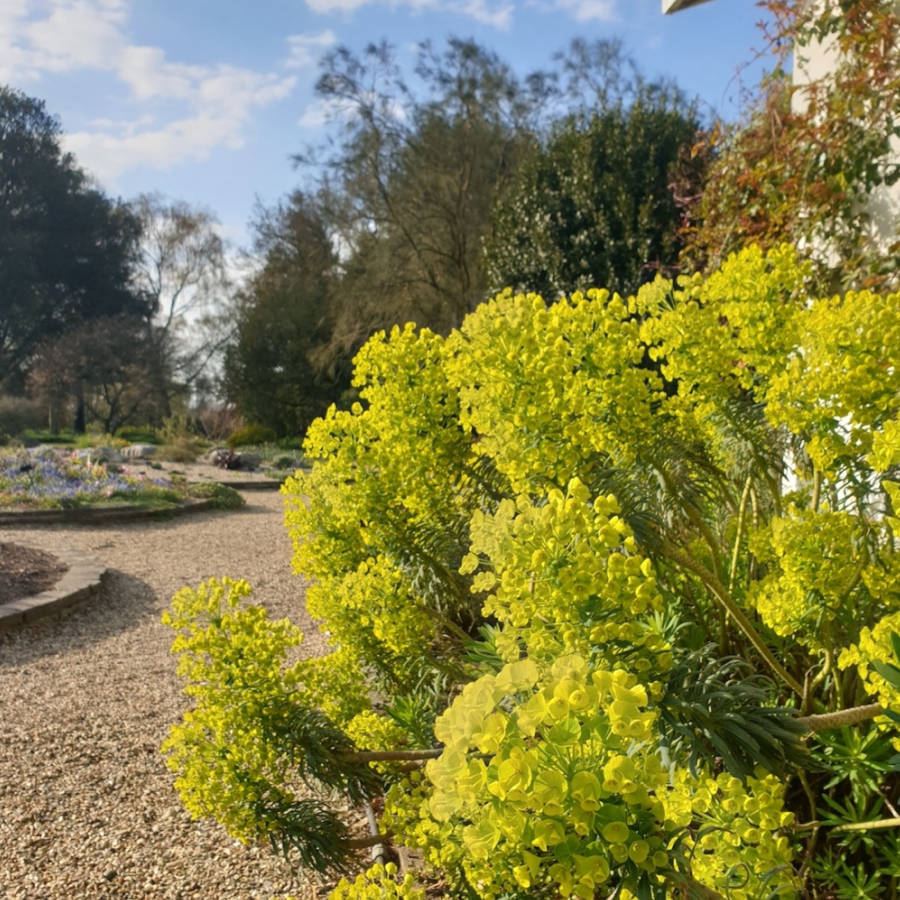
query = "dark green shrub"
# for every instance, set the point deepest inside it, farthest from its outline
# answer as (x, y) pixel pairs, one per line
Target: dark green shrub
(137, 435)
(251, 434)
(44, 436)
(19, 413)
(185, 451)
(223, 497)
(291, 443)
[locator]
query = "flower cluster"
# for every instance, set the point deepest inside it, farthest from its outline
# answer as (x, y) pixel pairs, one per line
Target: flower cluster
(233, 659)
(562, 574)
(380, 882)
(878, 645)
(549, 389)
(550, 777)
(53, 479)
(822, 587)
(740, 845)
(843, 383)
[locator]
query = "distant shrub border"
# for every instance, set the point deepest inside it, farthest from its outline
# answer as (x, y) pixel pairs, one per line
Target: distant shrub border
(251, 435)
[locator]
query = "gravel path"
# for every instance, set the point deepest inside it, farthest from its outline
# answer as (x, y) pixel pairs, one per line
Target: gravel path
(87, 808)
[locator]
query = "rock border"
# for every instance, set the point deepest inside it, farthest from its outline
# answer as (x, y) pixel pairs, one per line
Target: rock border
(80, 582)
(98, 515)
(268, 484)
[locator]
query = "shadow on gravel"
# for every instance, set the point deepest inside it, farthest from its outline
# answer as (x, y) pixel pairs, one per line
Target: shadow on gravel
(253, 509)
(124, 603)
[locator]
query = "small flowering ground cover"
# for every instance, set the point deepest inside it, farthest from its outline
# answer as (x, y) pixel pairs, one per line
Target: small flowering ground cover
(55, 480)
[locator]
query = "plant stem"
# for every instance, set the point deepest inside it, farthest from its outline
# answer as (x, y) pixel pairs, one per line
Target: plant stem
(367, 756)
(868, 826)
(693, 889)
(817, 490)
(379, 850)
(720, 592)
(814, 837)
(841, 718)
(735, 553)
(363, 843)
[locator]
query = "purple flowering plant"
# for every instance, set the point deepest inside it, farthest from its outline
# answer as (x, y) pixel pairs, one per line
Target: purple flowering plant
(53, 480)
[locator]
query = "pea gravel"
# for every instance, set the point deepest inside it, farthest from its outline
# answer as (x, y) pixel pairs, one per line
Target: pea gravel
(87, 807)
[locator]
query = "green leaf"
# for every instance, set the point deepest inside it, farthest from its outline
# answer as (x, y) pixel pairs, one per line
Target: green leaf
(895, 643)
(891, 674)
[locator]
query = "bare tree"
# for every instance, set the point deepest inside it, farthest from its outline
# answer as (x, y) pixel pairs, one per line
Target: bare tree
(183, 271)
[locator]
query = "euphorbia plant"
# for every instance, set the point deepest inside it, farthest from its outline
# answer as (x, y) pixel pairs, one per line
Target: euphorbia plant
(603, 579)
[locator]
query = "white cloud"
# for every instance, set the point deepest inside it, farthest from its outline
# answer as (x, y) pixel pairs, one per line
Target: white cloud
(214, 103)
(320, 112)
(223, 109)
(589, 10)
(498, 15)
(80, 34)
(325, 7)
(149, 75)
(305, 49)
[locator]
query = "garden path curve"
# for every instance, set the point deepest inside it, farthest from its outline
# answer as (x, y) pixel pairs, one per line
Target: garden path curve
(88, 808)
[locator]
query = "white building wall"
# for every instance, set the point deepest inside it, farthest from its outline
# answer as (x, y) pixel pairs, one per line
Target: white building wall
(812, 63)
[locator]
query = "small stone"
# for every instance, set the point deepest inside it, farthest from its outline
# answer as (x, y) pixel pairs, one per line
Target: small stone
(99, 455)
(139, 451)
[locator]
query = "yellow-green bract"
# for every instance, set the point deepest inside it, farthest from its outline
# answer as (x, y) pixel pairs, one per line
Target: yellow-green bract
(538, 539)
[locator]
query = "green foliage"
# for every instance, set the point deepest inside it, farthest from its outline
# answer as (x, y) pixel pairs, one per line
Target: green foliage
(714, 709)
(223, 496)
(290, 443)
(237, 752)
(276, 371)
(768, 179)
(45, 436)
(581, 583)
(595, 205)
(250, 435)
(67, 249)
(137, 435)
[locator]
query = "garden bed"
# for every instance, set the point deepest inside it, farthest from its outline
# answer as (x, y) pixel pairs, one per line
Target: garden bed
(49, 485)
(25, 571)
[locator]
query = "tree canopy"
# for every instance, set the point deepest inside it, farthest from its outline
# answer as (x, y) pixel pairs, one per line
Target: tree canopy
(66, 250)
(280, 368)
(595, 204)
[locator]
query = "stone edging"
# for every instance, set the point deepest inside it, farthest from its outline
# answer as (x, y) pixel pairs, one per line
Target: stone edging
(268, 485)
(81, 581)
(98, 515)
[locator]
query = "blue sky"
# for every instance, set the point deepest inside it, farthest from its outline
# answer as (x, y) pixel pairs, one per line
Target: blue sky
(205, 100)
